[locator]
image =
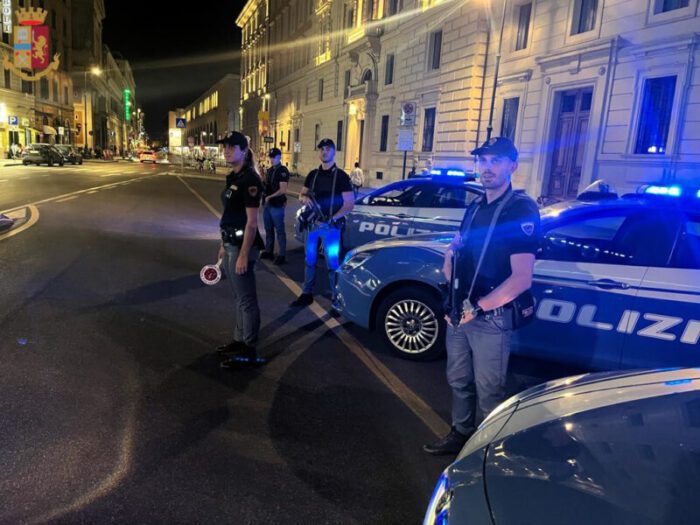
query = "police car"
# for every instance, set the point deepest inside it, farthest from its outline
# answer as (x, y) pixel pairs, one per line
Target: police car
(613, 447)
(409, 207)
(617, 284)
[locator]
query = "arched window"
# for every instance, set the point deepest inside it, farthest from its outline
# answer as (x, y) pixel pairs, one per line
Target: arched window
(367, 76)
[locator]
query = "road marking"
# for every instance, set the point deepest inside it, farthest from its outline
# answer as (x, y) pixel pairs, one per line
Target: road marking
(415, 403)
(68, 198)
(33, 219)
(3, 180)
(92, 192)
(79, 192)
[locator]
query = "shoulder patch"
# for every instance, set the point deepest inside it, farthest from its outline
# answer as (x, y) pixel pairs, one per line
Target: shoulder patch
(252, 191)
(528, 228)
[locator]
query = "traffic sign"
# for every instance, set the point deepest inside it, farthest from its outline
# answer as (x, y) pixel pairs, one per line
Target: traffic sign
(14, 121)
(408, 114)
(268, 140)
(180, 123)
(405, 142)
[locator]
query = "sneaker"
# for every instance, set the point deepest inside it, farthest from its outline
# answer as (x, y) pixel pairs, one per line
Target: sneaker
(234, 347)
(451, 444)
(279, 260)
(247, 358)
(335, 314)
(304, 299)
(266, 255)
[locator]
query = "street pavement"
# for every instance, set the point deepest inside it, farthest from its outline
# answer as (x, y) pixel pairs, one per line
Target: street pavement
(112, 403)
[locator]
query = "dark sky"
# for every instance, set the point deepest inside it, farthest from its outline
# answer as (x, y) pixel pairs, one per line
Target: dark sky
(177, 50)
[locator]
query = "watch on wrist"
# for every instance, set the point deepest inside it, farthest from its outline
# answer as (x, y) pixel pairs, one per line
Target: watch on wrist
(477, 311)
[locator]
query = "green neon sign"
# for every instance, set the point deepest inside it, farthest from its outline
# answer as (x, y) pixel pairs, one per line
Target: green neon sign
(127, 105)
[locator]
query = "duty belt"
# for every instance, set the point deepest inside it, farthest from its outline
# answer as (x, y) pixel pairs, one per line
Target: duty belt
(232, 235)
(496, 312)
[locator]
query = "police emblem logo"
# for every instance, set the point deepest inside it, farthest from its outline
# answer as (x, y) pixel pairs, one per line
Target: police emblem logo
(528, 228)
(252, 191)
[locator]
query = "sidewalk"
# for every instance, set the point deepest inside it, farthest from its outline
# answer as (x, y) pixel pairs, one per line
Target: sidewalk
(7, 163)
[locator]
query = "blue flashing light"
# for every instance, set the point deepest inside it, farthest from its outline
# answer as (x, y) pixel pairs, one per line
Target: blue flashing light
(679, 382)
(670, 191)
(456, 173)
(698, 194)
(436, 172)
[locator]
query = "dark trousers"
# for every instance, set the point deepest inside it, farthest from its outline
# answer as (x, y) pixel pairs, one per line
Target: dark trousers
(273, 217)
(245, 296)
(477, 364)
(330, 237)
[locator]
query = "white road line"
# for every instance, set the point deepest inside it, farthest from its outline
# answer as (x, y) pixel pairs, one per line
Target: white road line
(3, 180)
(418, 406)
(92, 192)
(68, 198)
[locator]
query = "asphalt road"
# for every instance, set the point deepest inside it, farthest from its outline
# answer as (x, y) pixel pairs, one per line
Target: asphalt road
(112, 404)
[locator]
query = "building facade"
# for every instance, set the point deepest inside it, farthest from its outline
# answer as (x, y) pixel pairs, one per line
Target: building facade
(215, 112)
(587, 89)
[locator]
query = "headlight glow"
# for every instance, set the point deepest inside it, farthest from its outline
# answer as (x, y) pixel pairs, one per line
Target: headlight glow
(439, 506)
(355, 261)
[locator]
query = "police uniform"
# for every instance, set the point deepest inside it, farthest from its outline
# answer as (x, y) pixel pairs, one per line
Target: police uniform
(243, 190)
(327, 188)
(273, 214)
(478, 351)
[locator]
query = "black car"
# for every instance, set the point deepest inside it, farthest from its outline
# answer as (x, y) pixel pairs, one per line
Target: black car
(42, 154)
(70, 154)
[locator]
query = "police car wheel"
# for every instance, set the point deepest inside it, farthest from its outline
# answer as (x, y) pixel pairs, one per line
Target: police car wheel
(410, 325)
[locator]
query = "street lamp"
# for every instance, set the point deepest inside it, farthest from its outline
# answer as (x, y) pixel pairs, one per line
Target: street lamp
(95, 71)
(489, 129)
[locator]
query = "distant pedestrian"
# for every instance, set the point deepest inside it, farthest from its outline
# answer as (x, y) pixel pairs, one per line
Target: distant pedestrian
(275, 183)
(357, 178)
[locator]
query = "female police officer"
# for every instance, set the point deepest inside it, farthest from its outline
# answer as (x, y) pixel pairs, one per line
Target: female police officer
(240, 245)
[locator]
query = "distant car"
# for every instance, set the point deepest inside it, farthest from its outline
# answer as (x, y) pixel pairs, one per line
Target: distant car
(148, 156)
(70, 154)
(617, 285)
(419, 205)
(618, 448)
(42, 154)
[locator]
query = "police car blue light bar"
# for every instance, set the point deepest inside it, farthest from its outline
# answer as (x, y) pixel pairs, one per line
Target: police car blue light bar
(450, 172)
(436, 172)
(670, 191)
(456, 173)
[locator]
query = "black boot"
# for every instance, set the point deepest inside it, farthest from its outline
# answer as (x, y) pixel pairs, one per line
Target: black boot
(246, 358)
(266, 255)
(279, 260)
(304, 299)
(451, 444)
(233, 348)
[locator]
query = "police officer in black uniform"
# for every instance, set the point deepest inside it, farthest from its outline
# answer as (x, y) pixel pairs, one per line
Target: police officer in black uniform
(329, 190)
(240, 246)
(276, 181)
(480, 322)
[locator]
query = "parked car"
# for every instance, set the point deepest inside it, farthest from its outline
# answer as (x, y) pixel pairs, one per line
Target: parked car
(617, 285)
(148, 156)
(42, 154)
(409, 207)
(617, 448)
(70, 154)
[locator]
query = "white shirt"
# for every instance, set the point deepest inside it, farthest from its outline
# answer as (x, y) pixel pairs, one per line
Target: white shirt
(357, 178)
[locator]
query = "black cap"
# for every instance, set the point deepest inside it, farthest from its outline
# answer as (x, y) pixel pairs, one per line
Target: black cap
(326, 142)
(501, 146)
(234, 139)
(274, 152)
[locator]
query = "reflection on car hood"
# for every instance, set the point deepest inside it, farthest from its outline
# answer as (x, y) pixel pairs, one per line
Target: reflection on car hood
(605, 381)
(432, 241)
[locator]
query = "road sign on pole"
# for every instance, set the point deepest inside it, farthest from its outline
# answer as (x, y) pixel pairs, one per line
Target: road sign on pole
(180, 123)
(405, 142)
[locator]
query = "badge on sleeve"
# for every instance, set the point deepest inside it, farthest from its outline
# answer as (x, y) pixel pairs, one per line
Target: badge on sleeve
(252, 191)
(528, 228)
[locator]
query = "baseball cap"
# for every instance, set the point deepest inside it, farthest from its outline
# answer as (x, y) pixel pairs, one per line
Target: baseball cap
(234, 139)
(274, 152)
(501, 146)
(326, 142)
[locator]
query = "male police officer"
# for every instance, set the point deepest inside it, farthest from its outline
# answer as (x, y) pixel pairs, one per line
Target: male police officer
(478, 341)
(276, 181)
(328, 187)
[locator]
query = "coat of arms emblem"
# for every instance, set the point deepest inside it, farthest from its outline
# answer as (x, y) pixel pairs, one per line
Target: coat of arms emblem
(31, 46)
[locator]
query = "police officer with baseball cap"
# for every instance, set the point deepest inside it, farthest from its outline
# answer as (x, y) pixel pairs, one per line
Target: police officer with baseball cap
(329, 192)
(495, 255)
(240, 245)
(276, 181)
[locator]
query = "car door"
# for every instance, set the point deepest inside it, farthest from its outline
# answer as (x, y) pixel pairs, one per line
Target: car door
(586, 280)
(443, 208)
(667, 313)
(387, 212)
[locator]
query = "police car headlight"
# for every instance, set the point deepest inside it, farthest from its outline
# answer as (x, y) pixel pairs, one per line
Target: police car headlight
(355, 261)
(439, 506)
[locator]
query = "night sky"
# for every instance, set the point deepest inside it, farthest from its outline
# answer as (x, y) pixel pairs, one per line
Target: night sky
(176, 50)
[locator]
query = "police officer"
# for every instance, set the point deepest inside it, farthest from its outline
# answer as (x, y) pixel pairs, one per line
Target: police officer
(240, 244)
(478, 336)
(276, 181)
(330, 189)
